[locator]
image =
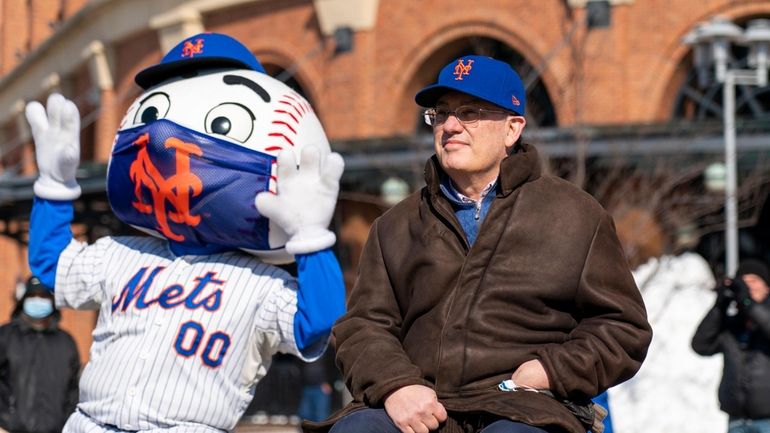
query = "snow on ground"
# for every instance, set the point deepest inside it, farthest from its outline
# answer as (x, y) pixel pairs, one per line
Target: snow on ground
(676, 389)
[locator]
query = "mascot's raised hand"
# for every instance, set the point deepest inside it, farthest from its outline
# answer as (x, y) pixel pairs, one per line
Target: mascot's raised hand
(56, 132)
(307, 194)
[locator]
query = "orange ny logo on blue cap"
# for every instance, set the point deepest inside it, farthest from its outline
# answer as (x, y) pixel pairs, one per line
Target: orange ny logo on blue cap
(462, 69)
(189, 49)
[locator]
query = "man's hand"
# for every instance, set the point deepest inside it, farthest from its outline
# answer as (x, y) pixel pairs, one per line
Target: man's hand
(531, 374)
(56, 133)
(306, 198)
(415, 409)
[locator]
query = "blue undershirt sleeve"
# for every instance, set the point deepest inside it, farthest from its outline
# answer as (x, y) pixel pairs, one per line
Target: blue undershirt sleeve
(320, 299)
(49, 234)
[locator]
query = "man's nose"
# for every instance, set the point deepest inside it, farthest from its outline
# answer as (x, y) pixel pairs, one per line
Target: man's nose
(452, 124)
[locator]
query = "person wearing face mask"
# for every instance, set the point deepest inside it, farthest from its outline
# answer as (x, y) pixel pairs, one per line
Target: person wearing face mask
(39, 366)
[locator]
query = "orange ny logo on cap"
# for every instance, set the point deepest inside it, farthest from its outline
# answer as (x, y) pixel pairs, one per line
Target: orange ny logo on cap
(462, 69)
(189, 49)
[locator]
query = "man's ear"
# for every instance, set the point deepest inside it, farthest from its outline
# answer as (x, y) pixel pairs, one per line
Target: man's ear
(516, 126)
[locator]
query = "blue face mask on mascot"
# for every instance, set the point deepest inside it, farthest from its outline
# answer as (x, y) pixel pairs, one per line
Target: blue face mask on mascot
(192, 188)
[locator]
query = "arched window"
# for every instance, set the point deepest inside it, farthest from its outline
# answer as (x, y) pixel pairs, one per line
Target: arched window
(288, 78)
(699, 99)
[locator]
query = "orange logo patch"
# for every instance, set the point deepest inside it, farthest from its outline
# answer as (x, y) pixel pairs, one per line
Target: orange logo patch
(189, 49)
(462, 69)
(176, 189)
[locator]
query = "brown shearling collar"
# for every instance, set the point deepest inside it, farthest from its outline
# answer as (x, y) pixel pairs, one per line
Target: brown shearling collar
(521, 166)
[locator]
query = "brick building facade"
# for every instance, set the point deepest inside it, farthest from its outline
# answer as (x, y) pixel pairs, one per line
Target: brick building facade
(631, 71)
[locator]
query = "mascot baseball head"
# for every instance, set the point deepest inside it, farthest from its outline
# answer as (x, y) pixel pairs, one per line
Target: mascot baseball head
(201, 142)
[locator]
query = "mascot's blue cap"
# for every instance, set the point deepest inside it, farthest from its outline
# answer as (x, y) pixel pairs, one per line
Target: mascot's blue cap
(204, 50)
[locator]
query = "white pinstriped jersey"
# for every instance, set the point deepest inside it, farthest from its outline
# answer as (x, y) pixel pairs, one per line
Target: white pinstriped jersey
(180, 341)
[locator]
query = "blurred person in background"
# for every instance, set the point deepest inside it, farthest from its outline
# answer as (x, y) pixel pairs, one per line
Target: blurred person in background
(39, 366)
(678, 290)
(317, 387)
(738, 326)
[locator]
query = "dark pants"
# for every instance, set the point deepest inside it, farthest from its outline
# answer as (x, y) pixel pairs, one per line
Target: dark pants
(378, 421)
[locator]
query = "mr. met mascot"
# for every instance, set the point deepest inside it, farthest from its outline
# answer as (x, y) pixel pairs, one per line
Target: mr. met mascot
(229, 170)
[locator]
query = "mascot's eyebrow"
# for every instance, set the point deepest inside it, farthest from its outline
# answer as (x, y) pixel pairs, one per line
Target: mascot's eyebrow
(237, 79)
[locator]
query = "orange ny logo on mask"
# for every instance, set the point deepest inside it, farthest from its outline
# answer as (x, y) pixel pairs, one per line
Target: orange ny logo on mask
(177, 189)
(462, 69)
(189, 49)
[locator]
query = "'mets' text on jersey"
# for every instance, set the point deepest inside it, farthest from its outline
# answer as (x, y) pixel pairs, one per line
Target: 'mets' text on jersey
(134, 295)
(182, 326)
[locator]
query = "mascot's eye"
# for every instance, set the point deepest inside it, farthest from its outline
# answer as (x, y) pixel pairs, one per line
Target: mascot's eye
(220, 125)
(152, 108)
(149, 114)
(231, 120)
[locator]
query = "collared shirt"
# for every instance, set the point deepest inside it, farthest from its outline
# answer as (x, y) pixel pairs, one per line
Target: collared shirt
(469, 212)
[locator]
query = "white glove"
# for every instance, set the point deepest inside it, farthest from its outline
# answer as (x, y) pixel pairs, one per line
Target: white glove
(57, 147)
(306, 198)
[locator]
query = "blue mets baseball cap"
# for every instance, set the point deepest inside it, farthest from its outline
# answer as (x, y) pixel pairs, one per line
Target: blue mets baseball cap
(204, 50)
(483, 77)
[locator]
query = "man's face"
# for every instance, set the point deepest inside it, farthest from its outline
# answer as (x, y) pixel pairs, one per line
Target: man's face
(474, 149)
(758, 289)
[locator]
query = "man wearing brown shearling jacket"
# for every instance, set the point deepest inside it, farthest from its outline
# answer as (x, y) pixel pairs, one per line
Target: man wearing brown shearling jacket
(495, 299)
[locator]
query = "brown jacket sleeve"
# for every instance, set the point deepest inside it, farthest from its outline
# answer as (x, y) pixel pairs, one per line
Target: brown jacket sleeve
(369, 351)
(613, 330)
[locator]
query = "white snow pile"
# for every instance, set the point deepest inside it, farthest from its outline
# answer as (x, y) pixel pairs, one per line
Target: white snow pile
(676, 389)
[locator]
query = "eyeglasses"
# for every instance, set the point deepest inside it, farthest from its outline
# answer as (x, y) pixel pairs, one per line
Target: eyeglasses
(466, 114)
